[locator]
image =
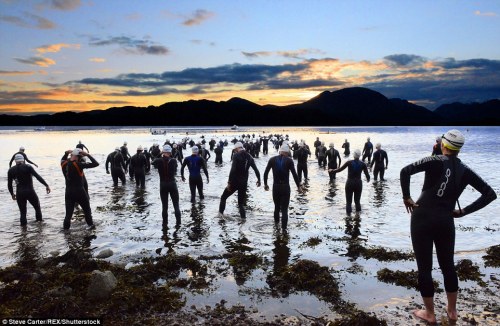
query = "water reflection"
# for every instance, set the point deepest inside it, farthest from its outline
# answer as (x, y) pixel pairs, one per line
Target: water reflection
(28, 250)
(379, 189)
(198, 231)
(170, 241)
(281, 252)
(352, 225)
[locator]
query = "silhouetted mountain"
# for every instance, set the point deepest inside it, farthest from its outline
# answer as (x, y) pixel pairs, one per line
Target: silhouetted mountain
(486, 113)
(347, 107)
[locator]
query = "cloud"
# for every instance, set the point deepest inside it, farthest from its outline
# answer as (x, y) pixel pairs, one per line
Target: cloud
(54, 48)
(198, 17)
(404, 60)
(65, 5)
(297, 54)
(30, 21)
(16, 73)
(30, 97)
(131, 45)
(160, 91)
(485, 14)
(97, 60)
(37, 61)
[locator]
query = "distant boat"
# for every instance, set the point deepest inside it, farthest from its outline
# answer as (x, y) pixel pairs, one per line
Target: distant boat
(39, 129)
(235, 127)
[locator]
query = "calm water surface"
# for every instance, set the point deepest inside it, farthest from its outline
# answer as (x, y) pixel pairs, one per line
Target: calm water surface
(129, 221)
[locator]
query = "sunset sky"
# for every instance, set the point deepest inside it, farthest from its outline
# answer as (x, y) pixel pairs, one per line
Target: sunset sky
(75, 55)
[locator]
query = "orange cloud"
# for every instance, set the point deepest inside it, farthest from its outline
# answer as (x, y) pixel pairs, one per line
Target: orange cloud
(97, 60)
(54, 48)
(16, 73)
(37, 61)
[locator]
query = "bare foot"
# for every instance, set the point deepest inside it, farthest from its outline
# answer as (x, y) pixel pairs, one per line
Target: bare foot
(452, 315)
(425, 316)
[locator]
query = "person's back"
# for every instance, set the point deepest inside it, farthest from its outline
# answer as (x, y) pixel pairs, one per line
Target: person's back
(242, 161)
(302, 155)
(355, 168)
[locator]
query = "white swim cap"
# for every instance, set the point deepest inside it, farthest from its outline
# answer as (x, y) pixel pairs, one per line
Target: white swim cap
(21, 149)
(453, 139)
(378, 145)
(357, 153)
(238, 145)
(331, 145)
(139, 148)
(167, 149)
(19, 158)
(285, 148)
(195, 149)
(76, 151)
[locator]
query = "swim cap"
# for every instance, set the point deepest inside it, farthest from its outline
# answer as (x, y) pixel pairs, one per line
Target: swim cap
(19, 158)
(195, 149)
(378, 145)
(322, 143)
(331, 145)
(285, 148)
(453, 139)
(139, 148)
(357, 153)
(125, 143)
(238, 145)
(76, 151)
(167, 149)
(21, 149)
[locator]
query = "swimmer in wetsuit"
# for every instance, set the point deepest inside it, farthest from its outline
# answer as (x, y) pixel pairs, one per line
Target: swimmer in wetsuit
(381, 162)
(432, 217)
(167, 167)
(21, 152)
(281, 165)
(23, 175)
(353, 185)
(195, 163)
(139, 164)
(347, 148)
(118, 166)
(333, 155)
(367, 151)
(302, 154)
(238, 179)
(72, 169)
(218, 153)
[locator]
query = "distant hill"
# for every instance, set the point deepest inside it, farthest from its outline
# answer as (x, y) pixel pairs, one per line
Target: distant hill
(355, 106)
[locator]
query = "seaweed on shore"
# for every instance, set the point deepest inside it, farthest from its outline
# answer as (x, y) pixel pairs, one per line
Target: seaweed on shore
(492, 259)
(311, 242)
(354, 250)
(407, 279)
(466, 270)
(242, 264)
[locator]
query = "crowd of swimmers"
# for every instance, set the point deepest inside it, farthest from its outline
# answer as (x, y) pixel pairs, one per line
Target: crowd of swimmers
(432, 215)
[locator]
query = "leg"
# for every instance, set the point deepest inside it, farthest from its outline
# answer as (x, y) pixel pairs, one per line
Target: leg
(285, 202)
(199, 185)
(35, 202)
(277, 203)
(242, 196)
(174, 195)
(164, 203)
(305, 173)
(348, 197)
(114, 175)
(382, 172)
(192, 187)
(357, 195)
(22, 202)
(375, 173)
(84, 202)
(121, 175)
(70, 207)
(299, 172)
(223, 199)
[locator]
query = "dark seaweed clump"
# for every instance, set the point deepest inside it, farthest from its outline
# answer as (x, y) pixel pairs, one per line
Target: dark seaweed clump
(407, 279)
(355, 250)
(49, 289)
(243, 265)
(466, 270)
(492, 259)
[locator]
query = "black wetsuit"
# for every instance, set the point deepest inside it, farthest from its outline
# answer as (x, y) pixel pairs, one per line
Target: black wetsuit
(195, 163)
(177, 153)
(347, 148)
(166, 167)
(265, 144)
(316, 144)
(218, 154)
(332, 154)
(212, 143)
(282, 166)
(432, 220)
(381, 161)
(302, 154)
(126, 156)
(75, 190)
(117, 167)
(25, 159)
(205, 154)
(139, 164)
(238, 180)
(367, 151)
(23, 175)
(321, 155)
(354, 185)
(155, 152)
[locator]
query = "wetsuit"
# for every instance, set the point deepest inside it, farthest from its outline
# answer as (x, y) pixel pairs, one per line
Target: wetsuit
(378, 160)
(295, 148)
(126, 156)
(177, 154)
(238, 180)
(302, 154)
(354, 185)
(23, 174)
(332, 154)
(75, 191)
(282, 166)
(195, 163)
(25, 159)
(316, 144)
(212, 143)
(166, 169)
(218, 154)
(265, 144)
(321, 155)
(432, 220)
(138, 166)
(205, 154)
(155, 152)
(347, 150)
(367, 151)
(117, 167)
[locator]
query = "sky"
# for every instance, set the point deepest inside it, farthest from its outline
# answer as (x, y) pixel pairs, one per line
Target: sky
(80, 55)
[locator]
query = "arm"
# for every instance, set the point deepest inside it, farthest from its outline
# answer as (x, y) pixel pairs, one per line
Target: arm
(27, 160)
(10, 177)
(427, 163)
(487, 193)
(93, 163)
(266, 172)
(40, 179)
(257, 173)
(386, 160)
(86, 149)
(291, 167)
(12, 160)
(204, 167)
(338, 156)
(108, 160)
(341, 168)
